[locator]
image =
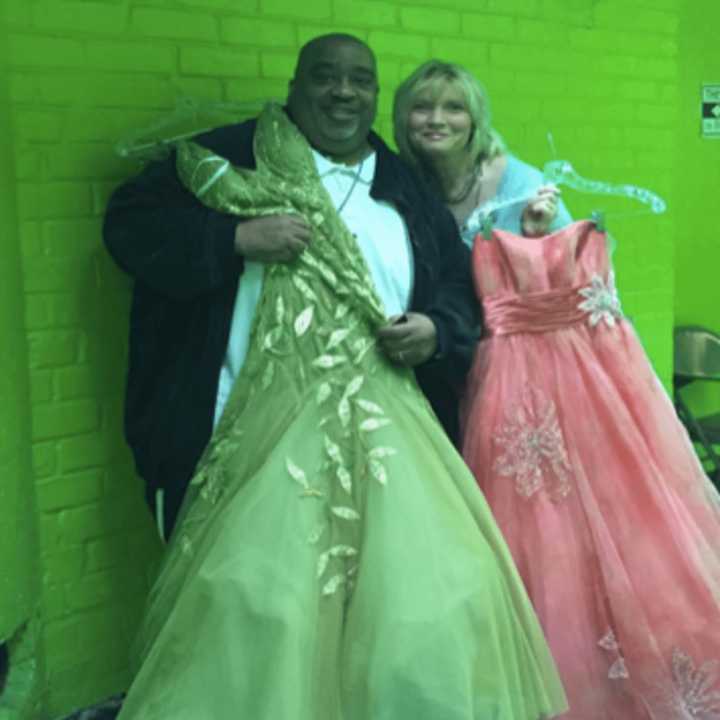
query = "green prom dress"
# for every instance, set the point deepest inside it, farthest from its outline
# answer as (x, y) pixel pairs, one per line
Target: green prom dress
(334, 559)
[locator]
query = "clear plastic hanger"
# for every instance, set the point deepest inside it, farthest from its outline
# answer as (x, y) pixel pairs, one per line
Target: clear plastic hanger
(190, 117)
(561, 172)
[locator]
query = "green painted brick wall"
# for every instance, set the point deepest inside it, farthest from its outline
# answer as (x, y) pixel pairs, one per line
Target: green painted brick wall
(602, 76)
(20, 619)
(697, 270)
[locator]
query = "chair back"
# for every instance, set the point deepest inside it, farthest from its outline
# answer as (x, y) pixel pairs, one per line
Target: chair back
(696, 353)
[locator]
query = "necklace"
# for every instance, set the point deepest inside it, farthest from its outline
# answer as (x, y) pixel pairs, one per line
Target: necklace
(355, 179)
(467, 189)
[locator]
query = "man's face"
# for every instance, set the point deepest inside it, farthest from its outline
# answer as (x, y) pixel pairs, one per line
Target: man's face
(333, 98)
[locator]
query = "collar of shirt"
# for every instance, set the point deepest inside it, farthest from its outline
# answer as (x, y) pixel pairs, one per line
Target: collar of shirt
(327, 168)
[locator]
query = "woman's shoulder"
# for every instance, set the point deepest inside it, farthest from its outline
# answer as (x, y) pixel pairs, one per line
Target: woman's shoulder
(519, 173)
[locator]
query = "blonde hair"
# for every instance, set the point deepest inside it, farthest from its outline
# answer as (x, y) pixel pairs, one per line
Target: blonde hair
(484, 141)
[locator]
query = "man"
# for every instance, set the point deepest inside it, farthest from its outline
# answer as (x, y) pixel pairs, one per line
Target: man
(198, 272)
(337, 559)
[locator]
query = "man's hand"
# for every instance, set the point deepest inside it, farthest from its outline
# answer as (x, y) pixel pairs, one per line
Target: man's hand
(409, 339)
(540, 212)
(272, 239)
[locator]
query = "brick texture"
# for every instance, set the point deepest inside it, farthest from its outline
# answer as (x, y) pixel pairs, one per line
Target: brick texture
(600, 76)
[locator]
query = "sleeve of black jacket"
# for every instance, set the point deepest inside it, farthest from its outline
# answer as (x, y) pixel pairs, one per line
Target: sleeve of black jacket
(160, 234)
(181, 257)
(454, 310)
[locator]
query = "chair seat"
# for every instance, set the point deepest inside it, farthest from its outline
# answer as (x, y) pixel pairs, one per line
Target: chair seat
(710, 425)
(697, 359)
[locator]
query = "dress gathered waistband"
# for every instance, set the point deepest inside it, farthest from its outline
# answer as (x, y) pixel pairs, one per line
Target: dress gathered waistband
(535, 313)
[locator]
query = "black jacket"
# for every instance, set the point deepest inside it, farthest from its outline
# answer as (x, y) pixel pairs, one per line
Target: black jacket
(181, 256)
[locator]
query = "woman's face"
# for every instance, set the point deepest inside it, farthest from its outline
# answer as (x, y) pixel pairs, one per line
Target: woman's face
(439, 123)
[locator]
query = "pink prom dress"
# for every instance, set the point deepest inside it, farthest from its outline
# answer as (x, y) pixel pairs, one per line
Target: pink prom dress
(611, 521)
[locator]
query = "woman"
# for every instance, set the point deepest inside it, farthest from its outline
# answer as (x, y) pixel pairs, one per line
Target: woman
(442, 127)
(612, 523)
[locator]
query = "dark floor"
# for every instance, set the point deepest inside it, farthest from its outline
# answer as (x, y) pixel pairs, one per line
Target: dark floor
(107, 710)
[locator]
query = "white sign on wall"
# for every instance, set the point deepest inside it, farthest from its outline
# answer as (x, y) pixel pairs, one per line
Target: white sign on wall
(711, 111)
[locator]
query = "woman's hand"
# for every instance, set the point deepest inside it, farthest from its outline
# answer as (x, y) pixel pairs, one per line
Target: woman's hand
(409, 339)
(540, 212)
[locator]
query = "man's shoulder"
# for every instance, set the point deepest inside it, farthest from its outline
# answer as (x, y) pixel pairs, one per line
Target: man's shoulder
(389, 157)
(395, 175)
(233, 142)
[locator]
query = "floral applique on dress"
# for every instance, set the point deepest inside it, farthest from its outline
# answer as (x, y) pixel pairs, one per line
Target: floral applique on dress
(601, 302)
(695, 694)
(534, 447)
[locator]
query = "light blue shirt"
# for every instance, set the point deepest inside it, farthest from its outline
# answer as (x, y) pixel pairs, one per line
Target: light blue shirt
(519, 180)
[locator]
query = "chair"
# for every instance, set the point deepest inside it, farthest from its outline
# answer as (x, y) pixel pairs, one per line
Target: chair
(697, 359)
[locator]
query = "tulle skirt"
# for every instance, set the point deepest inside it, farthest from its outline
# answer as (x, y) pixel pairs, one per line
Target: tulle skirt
(399, 603)
(611, 521)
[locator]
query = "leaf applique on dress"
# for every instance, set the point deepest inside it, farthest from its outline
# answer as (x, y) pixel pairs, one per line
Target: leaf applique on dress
(380, 452)
(328, 361)
(342, 551)
(280, 310)
(360, 348)
(303, 321)
(333, 450)
(373, 423)
(345, 479)
(332, 585)
(370, 407)
(322, 562)
(296, 473)
(346, 513)
(328, 275)
(323, 393)
(378, 471)
(268, 375)
(344, 412)
(211, 490)
(336, 338)
(344, 409)
(354, 386)
(337, 551)
(321, 266)
(305, 289)
(272, 338)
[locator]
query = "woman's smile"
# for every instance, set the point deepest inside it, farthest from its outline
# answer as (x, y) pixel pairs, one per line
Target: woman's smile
(439, 122)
